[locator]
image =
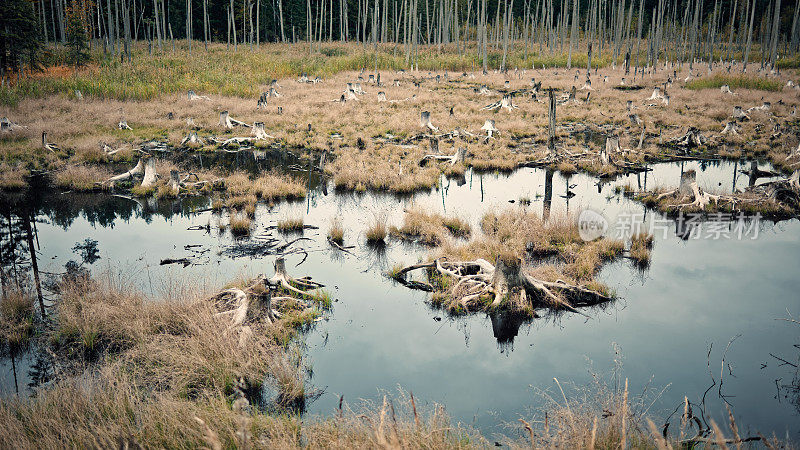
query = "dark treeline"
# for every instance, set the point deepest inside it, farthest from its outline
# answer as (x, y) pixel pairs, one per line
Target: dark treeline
(686, 29)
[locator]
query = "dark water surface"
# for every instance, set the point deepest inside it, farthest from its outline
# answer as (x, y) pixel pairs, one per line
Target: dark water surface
(697, 294)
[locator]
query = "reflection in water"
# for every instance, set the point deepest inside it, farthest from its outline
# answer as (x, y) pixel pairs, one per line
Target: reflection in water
(505, 327)
(548, 193)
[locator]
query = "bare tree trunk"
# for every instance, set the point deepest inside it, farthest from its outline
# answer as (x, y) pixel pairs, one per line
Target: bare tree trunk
(280, 19)
(749, 37)
(773, 54)
(793, 36)
(573, 34)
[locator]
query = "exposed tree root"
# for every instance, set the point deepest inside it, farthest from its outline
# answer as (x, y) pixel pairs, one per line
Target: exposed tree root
(256, 301)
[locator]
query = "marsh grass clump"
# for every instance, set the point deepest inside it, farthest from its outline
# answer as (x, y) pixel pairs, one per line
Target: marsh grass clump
(290, 224)
(239, 224)
(143, 369)
(12, 178)
(566, 168)
(241, 201)
(377, 231)
(267, 187)
(17, 314)
(641, 246)
(336, 231)
(143, 191)
(430, 229)
(81, 177)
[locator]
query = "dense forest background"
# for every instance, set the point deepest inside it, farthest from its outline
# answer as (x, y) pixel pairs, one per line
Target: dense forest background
(734, 25)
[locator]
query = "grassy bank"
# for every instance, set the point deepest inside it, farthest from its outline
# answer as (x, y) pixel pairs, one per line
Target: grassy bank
(220, 70)
(735, 82)
(135, 372)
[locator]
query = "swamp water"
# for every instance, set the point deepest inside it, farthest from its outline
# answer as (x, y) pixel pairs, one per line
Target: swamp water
(696, 295)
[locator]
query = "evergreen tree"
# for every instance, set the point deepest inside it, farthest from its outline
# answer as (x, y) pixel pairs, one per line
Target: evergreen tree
(77, 36)
(20, 41)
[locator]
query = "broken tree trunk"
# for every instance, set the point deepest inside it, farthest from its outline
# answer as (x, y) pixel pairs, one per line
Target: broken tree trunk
(290, 284)
(692, 138)
(150, 174)
(259, 132)
(192, 140)
(731, 128)
(425, 121)
(506, 103)
(739, 114)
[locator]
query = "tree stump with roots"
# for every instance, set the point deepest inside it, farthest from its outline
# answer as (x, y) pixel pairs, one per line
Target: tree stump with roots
(503, 282)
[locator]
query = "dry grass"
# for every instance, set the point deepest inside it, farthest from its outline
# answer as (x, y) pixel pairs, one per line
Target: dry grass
(336, 231)
(17, 314)
(141, 372)
(81, 177)
(641, 246)
(355, 134)
(377, 231)
(290, 224)
(239, 224)
(12, 178)
(153, 365)
(430, 229)
(268, 186)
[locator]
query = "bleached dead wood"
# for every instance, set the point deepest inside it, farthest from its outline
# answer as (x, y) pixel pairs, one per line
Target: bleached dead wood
(226, 121)
(506, 103)
(259, 132)
(262, 101)
(692, 138)
(489, 128)
(455, 158)
(48, 146)
(690, 192)
(150, 174)
(192, 139)
(193, 96)
(657, 95)
(6, 125)
(107, 149)
(138, 169)
(731, 129)
(739, 114)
